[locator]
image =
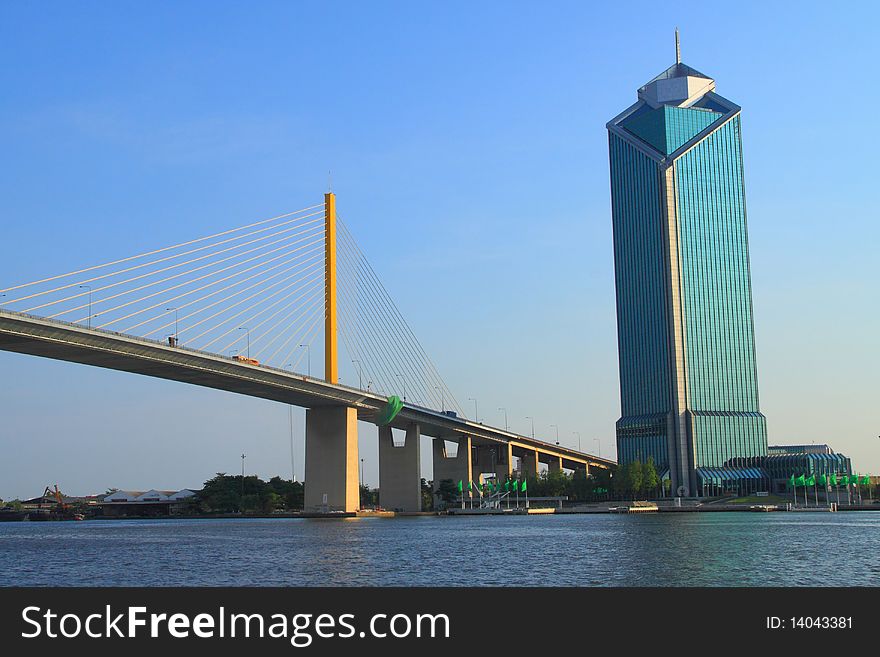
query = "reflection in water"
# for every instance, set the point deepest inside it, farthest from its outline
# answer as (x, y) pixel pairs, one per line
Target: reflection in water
(710, 549)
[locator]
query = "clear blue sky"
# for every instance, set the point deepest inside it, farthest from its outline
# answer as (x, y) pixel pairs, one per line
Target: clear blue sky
(469, 154)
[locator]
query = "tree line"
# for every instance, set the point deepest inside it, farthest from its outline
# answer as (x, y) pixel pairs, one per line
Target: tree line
(229, 494)
(634, 480)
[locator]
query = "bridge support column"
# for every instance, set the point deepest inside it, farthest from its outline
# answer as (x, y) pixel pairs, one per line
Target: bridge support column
(331, 459)
(457, 468)
(400, 483)
(504, 466)
(555, 463)
(529, 465)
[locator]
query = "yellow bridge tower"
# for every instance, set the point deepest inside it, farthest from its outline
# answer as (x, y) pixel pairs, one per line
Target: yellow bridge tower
(331, 354)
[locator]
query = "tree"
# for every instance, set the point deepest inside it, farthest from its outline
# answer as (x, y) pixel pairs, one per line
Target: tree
(635, 477)
(427, 495)
(650, 480)
(621, 481)
(602, 479)
(447, 491)
(556, 481)
(292, 493)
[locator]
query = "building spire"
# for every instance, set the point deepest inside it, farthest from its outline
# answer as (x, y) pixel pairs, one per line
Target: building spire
(677, 48)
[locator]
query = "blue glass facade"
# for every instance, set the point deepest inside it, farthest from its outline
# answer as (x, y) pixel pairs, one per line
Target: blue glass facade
(688, 378)
(642, 321)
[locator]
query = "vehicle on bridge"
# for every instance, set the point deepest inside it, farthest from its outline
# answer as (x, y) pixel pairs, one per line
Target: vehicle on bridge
(245, 359)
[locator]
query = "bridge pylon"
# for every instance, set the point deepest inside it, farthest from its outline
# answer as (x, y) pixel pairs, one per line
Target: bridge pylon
(331, 353)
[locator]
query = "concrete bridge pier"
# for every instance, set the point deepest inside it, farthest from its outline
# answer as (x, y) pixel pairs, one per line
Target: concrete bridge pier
(554, 463)
(504, 465)
(400, 483)
(529, 464)
(331, 459)
(455, 468)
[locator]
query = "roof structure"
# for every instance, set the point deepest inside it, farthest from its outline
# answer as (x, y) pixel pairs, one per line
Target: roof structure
(674, 110)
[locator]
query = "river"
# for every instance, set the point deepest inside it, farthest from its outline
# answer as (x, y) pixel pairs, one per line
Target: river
(693, 549)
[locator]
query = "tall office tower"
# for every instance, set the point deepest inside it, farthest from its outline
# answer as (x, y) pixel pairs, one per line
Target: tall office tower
(688, 381)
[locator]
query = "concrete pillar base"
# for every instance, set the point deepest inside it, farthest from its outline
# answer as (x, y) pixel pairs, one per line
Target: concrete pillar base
(529, 465)
(331, 460)
(504, 466)
(458, 468)
(400, 483)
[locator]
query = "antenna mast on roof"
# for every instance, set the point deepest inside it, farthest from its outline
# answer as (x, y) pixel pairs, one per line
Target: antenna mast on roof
(677, 48)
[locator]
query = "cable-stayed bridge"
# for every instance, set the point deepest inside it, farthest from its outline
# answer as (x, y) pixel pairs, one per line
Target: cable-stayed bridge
(242, 310)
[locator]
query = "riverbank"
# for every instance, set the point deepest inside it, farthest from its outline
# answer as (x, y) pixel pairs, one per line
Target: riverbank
(606, 508)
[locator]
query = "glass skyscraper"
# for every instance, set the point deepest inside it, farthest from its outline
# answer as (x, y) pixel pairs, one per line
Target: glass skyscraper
(688, 380)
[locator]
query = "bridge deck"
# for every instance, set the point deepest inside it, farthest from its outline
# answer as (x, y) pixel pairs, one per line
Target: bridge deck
(57, 340)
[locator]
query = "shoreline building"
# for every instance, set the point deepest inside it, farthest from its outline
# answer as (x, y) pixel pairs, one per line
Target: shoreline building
(688, 377)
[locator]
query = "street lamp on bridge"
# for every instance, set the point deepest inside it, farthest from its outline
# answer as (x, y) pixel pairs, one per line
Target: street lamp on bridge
(557, 432)
(578, 434)
(442, 400)
(403, 384)
(476, 412)
(176, 332)
(308, 358)
(245, 328)
(529, 417)
(360, 377)
(501, 408)
(90, 303)
(598, 446)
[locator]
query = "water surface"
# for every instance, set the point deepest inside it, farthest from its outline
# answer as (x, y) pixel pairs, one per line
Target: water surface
(695, 549)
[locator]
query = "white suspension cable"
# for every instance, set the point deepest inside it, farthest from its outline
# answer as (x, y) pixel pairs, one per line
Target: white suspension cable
(398, 326)
(173, 257)
(307, 311)
(162, 250)
(194, 280)
(190, 327)
(164, 269)
(318, 310)
(302, 308)
(262, 281)
(249, 319)
(308, 341)
(165, 302)
(402, 362)
(239, 314)
(348, 284)
(290, 308)
(431, 368)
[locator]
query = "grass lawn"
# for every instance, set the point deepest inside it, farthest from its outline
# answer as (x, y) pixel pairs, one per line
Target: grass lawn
(770, 499)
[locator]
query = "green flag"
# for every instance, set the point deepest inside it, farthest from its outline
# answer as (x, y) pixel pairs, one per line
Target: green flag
(525, 485)
(834, 479)
(854, 480)
(507, 486)
(470, 486)
(517, 484)
(800, 481)
(460, 486)
(792, 482)
(823, 480)
(811, 481)
(866, 480)
(844, 480)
